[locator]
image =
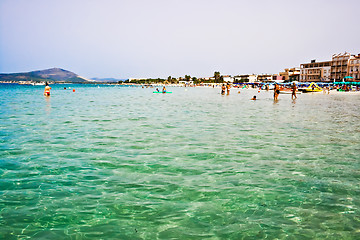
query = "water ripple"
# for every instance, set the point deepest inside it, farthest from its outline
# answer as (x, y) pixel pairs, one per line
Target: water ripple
(123, 163)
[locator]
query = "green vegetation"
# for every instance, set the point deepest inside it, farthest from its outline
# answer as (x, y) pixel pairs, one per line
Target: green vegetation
(218, 77)
(146, 81)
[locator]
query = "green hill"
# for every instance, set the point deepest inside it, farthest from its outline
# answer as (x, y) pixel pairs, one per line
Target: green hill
(50, 75)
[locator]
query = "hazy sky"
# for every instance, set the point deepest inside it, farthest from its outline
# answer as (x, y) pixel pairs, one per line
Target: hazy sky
(158, 38)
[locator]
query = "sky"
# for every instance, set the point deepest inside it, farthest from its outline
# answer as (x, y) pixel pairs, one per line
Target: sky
(161, 38)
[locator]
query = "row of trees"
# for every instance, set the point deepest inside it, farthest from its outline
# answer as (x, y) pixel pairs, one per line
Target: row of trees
(170, 80)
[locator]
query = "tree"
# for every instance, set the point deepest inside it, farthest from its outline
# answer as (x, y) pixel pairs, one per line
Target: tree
(217, 77)
(187, 77)
(195, 80)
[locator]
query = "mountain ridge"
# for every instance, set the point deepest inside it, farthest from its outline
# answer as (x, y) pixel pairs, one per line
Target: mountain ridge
(50, 75)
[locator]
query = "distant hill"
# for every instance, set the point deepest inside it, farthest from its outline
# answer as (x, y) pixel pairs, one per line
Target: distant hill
(107, 79)
(51, 75)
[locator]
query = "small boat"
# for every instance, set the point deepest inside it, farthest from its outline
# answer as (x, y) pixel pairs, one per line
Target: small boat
(288, 92)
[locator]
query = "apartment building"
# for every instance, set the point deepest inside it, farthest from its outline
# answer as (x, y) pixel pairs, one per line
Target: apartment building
(353, 68)
(264, 77)
(339, 66)
(315, 71)
(291, 74)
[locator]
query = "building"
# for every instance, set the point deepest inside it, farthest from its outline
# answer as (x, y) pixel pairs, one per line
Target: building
(228, 78)
(339, 66)
(264, 77)
(315, 71)
(186, 83)
(291, 74)
(247, 78)
(278, 78)
(353, 68)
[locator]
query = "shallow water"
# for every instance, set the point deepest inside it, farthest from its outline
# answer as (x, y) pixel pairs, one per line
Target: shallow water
(124, 163)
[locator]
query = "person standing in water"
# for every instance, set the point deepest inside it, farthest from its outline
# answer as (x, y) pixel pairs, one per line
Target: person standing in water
(223, 89)
(47, 89)
(227, 89)
(293, 91)
(276, 92)
(164, 90)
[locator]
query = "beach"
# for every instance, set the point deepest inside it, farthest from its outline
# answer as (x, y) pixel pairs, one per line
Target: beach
(118, 162)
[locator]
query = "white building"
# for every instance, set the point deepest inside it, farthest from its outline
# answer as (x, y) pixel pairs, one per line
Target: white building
(246, 78)
(228, 78)
(186, 82)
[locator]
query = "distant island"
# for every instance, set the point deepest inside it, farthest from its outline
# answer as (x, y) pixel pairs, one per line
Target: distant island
(52, 75)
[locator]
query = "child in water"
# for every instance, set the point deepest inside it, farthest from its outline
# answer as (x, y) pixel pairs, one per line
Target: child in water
(254, 98)
(47, 89)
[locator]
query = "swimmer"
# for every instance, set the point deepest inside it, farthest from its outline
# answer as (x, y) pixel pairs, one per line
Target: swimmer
(157, 89)
(47, 89)
(254, 98)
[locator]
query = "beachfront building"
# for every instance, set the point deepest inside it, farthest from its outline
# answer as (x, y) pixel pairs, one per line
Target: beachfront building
(315, 71)
(186, 83)
(339, 66)
(228, 78)
(247, 78)
(278, 78)
(264, 77)
(291, 74)
(353, 68)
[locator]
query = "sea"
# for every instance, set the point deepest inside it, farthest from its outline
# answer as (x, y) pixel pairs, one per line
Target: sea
(121, 162)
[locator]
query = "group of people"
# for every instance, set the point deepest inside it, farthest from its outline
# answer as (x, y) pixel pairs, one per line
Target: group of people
(225, 87)
(163, 90)
(276, 91)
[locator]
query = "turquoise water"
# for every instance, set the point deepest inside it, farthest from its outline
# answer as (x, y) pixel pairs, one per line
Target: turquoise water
(124, 163)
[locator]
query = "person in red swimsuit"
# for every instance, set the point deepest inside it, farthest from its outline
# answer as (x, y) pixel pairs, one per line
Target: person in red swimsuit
(47, 89)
